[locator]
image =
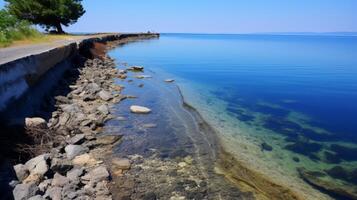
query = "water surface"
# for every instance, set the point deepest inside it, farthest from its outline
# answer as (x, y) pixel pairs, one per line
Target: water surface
(279, 102)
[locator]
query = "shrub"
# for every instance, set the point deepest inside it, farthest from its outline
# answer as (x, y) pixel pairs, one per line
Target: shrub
(12, 29)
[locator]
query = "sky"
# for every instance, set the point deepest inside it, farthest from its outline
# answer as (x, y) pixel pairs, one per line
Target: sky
(217, 16)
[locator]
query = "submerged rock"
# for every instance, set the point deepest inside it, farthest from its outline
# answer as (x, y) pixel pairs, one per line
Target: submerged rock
(266, 147)
(169, 80)
(123, 164)
(143, 76)
(136, 68)
(139, 109)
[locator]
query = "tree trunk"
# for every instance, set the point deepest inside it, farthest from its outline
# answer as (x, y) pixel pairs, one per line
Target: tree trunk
(59, 28)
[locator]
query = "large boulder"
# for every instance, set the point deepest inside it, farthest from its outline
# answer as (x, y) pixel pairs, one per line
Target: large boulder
(139, 109)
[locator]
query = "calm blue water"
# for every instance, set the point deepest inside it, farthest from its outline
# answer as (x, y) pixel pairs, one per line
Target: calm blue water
(314, 76)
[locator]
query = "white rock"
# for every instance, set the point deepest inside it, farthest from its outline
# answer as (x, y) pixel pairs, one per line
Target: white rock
(21, 172)
(143, 76)
(35, 122)
(139, 109)
(169, 80)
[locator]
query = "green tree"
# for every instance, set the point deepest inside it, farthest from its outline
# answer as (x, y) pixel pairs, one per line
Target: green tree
(47, 13)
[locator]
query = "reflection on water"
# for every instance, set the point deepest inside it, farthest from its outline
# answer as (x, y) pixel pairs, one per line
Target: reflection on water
(287, 101)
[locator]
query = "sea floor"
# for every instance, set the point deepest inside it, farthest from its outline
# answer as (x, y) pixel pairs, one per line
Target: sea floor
(172, 157)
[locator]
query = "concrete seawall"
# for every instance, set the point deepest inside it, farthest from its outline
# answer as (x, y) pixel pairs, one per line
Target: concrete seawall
(26, 80)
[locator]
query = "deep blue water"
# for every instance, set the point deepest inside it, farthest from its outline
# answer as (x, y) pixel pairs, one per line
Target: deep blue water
(318, 73)
(315, 76)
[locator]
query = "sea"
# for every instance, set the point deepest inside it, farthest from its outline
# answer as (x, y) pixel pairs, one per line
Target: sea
(284, 105)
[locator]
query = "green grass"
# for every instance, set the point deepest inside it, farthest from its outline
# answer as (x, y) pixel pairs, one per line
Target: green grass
(13, 29)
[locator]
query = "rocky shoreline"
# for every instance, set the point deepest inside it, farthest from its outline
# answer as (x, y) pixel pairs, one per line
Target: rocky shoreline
(73, 151)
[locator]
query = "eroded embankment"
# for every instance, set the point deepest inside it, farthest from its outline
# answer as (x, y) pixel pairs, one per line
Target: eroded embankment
(63, 125)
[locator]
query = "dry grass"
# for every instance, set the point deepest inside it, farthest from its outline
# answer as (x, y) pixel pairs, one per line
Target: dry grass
(42, 141)
(43, 39)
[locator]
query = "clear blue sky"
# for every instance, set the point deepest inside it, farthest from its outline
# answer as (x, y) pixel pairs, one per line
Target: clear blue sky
(217, 16)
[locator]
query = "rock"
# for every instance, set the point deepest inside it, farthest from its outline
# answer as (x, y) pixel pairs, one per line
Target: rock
(169, 80)
(139, 109)
(13, 183)
(142, 76)
(141, 85)
(37, 197)
(61, 165)
(75, 174)
(25, 191)
(70, 108)
(105, 96)
(44, 185)
(75, 150)
(123, 164)
(54, 193)
(150, 196)
(266, 147)
(92, 88)
(121, 118)
(35, 122)
(77, 139)
(62, 100)
(182, 164)
(136, 68)
(107, 140)
(99, 174)
(85, 160)
(59, 180)
(38, 165)
(104, 109)
(33, 178)
(122, 76)
(64, 119)
(149, 125)
(21, 172)
(296, 159)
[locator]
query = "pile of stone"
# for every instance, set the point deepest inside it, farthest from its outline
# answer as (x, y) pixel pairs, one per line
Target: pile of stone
(74, 169)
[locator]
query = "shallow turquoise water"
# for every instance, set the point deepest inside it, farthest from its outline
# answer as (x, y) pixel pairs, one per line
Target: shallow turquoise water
(296, 93)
